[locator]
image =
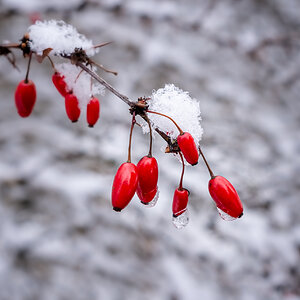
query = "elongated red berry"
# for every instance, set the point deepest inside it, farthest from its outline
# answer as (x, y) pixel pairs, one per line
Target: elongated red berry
(124, 186)
(72, 107)
(93, 111)
(60, 84)
(225, 196)
(188, 148)
(180, 201)
(146, 197)
(148, 174)
(25, 97)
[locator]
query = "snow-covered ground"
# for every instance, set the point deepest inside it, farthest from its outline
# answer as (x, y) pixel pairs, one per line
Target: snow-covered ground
(60, 238)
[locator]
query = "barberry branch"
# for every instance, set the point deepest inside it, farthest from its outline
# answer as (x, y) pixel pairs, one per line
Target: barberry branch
(105, 83)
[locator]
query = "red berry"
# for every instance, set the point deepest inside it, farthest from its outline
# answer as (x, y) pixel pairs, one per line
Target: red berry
(93, 111)
(72, 107)
(148, 174)
(60, 83)
(124, 186)
(188, 148)
(25, 97)
(180, 201)
(146, 197)
(225, 196)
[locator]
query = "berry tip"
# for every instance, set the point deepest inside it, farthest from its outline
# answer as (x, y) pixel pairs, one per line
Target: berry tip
(117, 209)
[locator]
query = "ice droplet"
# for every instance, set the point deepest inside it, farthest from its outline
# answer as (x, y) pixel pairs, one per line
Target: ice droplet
(182, 220)
(154, 200)
(225, 216)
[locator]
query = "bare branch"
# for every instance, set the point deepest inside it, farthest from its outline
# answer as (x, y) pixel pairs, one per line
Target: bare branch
(106, 84)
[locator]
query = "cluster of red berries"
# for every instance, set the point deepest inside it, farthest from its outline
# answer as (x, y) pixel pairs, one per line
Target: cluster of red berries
(25, 98)
(72, 104)
(142, 180)
(130, 179)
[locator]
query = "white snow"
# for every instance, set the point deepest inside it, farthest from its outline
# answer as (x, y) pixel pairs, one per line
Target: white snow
(178, 105)
(79, 82)
(57, 225)
(63, 38)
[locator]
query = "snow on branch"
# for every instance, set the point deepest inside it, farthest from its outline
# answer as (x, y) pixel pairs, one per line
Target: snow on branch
(61, 37)
(178, 105)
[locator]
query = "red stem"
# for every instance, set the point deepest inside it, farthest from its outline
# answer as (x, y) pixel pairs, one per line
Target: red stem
(207, 165)
(52, 63)
(157, 113)
(150, 131)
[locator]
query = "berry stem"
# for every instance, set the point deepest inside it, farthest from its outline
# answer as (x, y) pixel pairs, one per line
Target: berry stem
(78, 76)
(91, 86)
(28, 68)
(52, 63)
(182, 173)
(206, 163)
(150, 131)
(130, 137)
(157, 113)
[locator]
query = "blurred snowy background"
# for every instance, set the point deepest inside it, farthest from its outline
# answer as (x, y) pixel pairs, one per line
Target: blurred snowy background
(60, 238)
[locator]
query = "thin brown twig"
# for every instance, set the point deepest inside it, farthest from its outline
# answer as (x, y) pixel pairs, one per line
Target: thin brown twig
(52, 63)
(78, 76)
(103, 68)
(12, 60)
(102, 45)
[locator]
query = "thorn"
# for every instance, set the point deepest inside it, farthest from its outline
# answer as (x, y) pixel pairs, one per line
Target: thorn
(102, 44)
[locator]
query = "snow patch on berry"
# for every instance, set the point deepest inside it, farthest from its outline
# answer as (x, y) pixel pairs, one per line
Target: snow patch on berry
(178, 105)
(61, 37)
(80, 83)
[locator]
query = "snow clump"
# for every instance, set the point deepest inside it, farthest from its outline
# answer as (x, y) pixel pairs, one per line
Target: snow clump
(61, 37)
(178, 105)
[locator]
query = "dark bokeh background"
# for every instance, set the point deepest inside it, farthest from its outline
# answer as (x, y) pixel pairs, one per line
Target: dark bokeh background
(59, 237)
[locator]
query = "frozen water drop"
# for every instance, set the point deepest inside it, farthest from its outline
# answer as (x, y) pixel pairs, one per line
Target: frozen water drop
(182, 220)
(225, 216)
(154, 200)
